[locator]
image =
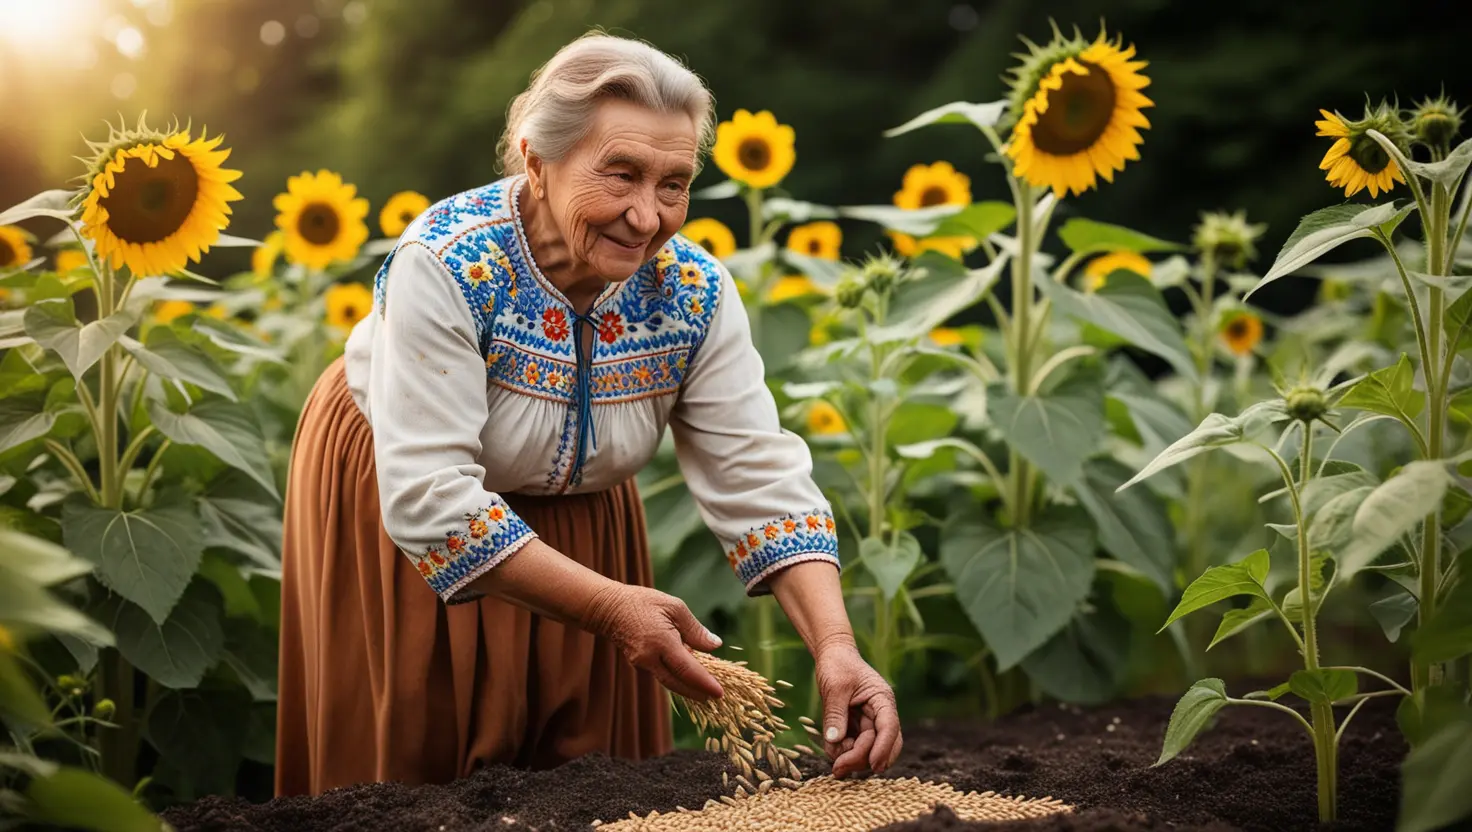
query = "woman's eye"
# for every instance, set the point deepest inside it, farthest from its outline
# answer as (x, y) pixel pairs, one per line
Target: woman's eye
(627, 177)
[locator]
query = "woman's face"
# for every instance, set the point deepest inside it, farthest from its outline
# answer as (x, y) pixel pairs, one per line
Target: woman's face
(624, 190)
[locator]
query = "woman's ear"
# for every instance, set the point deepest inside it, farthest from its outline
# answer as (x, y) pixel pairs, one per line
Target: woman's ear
(534, 170)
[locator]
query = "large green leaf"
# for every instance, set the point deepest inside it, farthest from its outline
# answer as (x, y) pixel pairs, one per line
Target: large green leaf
(1245, 577)
(201, 732)
(229, 337)
(53, 324)
(920, 222)
(1458, 322)
(24, 418)
(145, 555)
(223, 429)
(1394, 508)
(1086, 235)
(1323, 686)
(52, 204)
(1448, 171)
(1448, 635)
(890, 563)
(1019, 587)
(1084, 662)
(782, 333)
(1389, 391)
(25, 601)
(1055, 430)
(19, 699)
(956, 112)
(237, 515)
(945, 289)
(978, 220)
(914, 422)
(1130, 307)
(74, 798)
(1394, 612)
(1192, 714)
(1215, 431)
(1434, 781)
(250, 651)
(1134, 527)
(1328, 228)
(1325, 487)
(169, 357)
(178, 652)
(1332, 524)
(1429, 710)
(1235, 621)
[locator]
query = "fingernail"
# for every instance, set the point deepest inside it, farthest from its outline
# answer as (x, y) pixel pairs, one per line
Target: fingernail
(713, 637)
(832, 734)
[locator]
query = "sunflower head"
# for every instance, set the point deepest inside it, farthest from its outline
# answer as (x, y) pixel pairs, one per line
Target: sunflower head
(1075, 112)
(1228, 239)
(1436, 121)
(943, 336)
(263, 259)
(1100, 268)
(156, 200)
(711, 235)
(754, 149)
(792, 286)
(1355, 161)
(401, 209)
(822, 240)
(347, 303)
(1242, 332)
(322, 218)
(825, 420)
(15, 247)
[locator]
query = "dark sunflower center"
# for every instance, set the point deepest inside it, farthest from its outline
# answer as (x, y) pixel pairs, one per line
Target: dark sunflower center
(407, 216)
(318, 224)
(754, 154)
(1078, 113)
(933, 196)
(350, 312)
(1368, 154)
(7, 254)
(148, 204)
(1237, 329)
(706, 244)
(814, 247)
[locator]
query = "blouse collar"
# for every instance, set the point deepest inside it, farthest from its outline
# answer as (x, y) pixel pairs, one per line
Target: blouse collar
(513, 202)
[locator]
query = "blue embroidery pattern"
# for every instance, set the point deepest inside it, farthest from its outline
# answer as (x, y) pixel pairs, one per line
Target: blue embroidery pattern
(490, 536)
(809, 535)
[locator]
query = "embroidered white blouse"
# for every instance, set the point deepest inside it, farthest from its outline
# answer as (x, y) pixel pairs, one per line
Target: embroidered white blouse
(468, 375)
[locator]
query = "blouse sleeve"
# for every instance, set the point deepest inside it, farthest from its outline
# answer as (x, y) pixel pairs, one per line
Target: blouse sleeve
(427, 404)
(750, 477)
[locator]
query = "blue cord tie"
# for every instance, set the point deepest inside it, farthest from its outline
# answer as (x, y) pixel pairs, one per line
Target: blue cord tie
(586, 431)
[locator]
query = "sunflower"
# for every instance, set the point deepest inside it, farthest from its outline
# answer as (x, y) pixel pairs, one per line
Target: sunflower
(711, 235)
(70, 259)
(1100, 268)
(754, 149)
(166, 311)
(947, 337)
(792, 286)
(825, 420)
(323, 219)
(347, 303)
(1436, 121)
(400, 210)
(1077, 109)
(1356, 161)
(263, 259)
(1242, 332)
(1228, 238)
(926, 186)
(15, 247)
(156, 200)
(816, 239)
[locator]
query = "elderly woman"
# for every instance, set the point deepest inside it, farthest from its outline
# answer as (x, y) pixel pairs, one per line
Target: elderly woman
(466, 572)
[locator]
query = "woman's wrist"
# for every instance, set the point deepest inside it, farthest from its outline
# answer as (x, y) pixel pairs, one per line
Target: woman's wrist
(548, 583)
(812, 597)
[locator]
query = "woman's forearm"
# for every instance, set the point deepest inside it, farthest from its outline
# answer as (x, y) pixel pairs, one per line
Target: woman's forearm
(812, 597)
(547, 582)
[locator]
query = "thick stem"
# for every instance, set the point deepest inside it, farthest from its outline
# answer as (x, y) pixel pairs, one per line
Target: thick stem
(1424, 673)
(1310, 635)
(1326, 756)
(119, 746)
(1017, 469)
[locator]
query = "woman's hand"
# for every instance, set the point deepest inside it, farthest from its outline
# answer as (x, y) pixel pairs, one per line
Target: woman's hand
(652, 629)
(861, 723)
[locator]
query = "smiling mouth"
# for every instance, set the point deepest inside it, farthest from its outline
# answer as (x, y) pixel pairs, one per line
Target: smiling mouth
(624, 245)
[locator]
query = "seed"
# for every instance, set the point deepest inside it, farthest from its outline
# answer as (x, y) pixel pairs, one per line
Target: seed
(725, 781)
(726, 799)
(791, 754)
(744, 782)
(804, 749)
(765, 787)
(762, 776)
(782, 683)
(775, 702)
(804, 720)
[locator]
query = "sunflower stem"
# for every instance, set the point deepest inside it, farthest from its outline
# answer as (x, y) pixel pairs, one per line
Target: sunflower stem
(1196, 474)
(1454, 244)
(1018, 469)
(71, 463)
(1424, 674)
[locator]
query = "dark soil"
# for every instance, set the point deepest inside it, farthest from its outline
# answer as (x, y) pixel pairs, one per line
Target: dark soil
(1253, 771)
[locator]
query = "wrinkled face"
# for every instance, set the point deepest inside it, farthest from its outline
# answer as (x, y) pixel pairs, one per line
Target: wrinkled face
(624, 190)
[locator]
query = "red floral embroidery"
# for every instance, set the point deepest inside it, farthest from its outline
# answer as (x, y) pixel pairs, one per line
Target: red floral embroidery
(424, 568)
(496, 513)
(610, 327)
(455, 543)
(478, 529)
(554, 324)
(740, 549)
(437, 558)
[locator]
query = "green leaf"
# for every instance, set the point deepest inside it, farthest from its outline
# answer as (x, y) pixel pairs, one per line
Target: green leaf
(54, 325)
(957, 112)
(1130, 307)
(229, 337)
(146, 555)
(792, 210)
(51, 204)
(1332, 526)
(1328, 228)
(225, 430)
(267, 589)
(1447, 171)
(1429, 710)
(978, 220)
(168, 357)
(918, 222)
(233, 586)
(1191, 715)
(250, 651)
(914, 422)
(890, 563)
(1086, 235)
(1448, 635)
(1019, 587)
(19, 699)
(1215, 431)
(178, 652)
(25, 602)
(1458, 320)
(28, 763)
(1133, 527)
(1084, 662)
(1394, 612)
(1434, 781)
(1389, 391)
(1157, 421)
(238, 515)
(1324, 488)
(945, 289)
(259, 745)
(724, 190)
(1056, 430)
(201, 732)
(783, 333)
(1324, 686)
(78, 799)
(1245, 577)
(1395, 507)
(1237, 620)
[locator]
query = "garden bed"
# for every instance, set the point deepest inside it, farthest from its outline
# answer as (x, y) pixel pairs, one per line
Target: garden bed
(1253, 771)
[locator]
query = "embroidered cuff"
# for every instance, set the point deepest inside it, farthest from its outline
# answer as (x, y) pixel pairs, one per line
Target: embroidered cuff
(488, 537)
(782, 542)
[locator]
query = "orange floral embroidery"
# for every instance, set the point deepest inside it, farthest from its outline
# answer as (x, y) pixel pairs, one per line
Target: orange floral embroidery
(478, 528)
(437, 558)
(755, 541)
(814, 523)
(478, 273)
(643, 375)
(828, 523)
(789, 525)
(554, 379)
(740, 549)
(455, 543)
(424, 568)
(533, 375)
(772, 532)
(496, 513)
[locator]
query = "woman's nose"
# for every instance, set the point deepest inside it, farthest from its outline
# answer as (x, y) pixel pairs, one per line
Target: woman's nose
(642, 216)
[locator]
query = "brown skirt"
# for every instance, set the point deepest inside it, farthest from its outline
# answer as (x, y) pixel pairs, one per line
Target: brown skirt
(381, 681)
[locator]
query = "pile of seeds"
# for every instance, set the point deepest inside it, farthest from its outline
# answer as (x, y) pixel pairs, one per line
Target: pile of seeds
(824, 804)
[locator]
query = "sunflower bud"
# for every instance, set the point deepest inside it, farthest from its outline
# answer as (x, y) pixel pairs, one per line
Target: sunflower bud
(1227, 238)
(881, 273)
(1306, 404)
(71, 685)
(1436, 121)
(104, 710)
(850, 293)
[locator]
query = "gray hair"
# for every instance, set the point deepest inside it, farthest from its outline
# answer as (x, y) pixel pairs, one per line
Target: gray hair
(554, 112)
